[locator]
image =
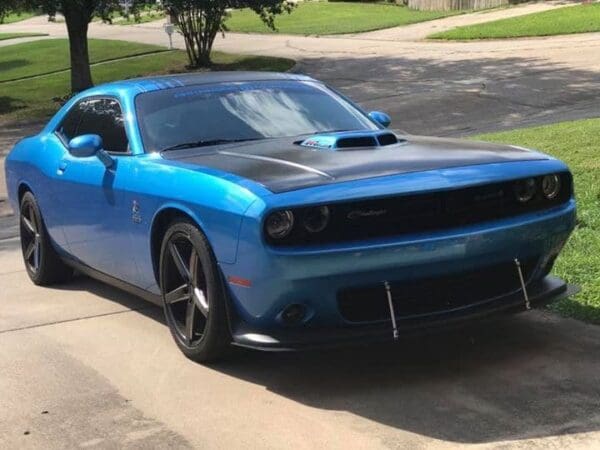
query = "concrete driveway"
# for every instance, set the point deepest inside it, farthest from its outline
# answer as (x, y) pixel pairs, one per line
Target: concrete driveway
(84, 365)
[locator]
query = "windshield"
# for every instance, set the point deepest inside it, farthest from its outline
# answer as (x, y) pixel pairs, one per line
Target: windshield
(235, 112)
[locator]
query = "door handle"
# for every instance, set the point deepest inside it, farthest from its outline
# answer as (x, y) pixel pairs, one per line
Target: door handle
(61, 167)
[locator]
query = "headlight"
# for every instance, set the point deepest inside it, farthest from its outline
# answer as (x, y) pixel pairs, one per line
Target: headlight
(525, 190)
(279, 224)
(316, 219)
(551, 186)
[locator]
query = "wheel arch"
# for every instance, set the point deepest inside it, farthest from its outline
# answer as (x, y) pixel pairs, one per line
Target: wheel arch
(23, 187)
(160, 222)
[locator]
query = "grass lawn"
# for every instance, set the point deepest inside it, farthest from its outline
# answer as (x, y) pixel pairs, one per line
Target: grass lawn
(11, 18)
(577, 144)
(5, 36)
(33, 98)
(572, 19)
(333, 18)
(29, 59)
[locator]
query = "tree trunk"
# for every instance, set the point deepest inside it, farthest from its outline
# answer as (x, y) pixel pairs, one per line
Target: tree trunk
(77, 27)
(204, 58)
(199, 27)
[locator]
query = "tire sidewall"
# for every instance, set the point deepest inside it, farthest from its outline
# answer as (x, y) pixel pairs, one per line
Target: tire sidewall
(28, 198)
(214, 339)
(52, 269)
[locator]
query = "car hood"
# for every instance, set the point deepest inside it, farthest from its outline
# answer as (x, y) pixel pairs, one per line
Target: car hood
(281, 165)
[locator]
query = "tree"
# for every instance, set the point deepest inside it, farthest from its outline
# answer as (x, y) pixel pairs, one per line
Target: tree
(78, 14)
(6, 7)
(200, 21)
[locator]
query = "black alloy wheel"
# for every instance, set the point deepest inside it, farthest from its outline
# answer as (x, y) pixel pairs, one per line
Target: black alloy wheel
(43, 264)
(192, 292)
(30, 238)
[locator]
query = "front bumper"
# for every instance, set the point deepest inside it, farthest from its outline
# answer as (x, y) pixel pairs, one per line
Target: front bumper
(314, 276)
(540, 293)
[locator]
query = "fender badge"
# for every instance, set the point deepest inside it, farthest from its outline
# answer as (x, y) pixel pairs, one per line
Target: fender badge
(136, 217)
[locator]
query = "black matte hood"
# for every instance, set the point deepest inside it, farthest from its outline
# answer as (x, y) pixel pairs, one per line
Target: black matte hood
(282, 165)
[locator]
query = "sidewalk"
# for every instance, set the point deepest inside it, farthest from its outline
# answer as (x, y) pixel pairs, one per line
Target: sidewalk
(420, 31)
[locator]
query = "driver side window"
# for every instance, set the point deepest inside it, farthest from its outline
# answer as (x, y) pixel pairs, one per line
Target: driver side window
(69, 125)
(101, 116)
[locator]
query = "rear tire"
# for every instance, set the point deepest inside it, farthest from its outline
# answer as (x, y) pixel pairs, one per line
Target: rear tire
(43, 264)
(193, 294)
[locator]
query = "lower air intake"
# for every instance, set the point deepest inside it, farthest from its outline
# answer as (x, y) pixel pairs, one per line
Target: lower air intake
(420, 298)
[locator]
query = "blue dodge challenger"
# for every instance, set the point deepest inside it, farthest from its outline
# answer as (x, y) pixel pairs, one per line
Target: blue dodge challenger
(269, 211)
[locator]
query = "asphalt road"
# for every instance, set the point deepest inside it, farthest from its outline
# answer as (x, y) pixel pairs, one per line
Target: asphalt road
(84, 365)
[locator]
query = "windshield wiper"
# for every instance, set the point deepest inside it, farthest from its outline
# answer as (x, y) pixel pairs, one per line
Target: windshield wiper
(206, 143)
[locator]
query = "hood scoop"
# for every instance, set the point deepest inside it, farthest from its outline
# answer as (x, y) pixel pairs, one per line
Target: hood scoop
(351, 140)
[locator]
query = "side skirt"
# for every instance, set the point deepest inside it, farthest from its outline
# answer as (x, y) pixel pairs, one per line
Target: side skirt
(115, 282)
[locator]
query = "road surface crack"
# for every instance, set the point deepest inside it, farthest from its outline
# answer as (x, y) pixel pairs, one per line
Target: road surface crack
(75, 319)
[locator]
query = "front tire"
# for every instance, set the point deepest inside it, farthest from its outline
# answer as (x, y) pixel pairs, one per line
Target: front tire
(44, 266)
(193, 294)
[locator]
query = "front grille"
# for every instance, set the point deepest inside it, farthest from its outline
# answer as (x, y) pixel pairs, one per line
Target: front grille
(391, 216)
(430, 296)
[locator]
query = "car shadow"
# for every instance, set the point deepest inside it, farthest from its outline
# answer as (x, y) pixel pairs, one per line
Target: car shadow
(83, 283)
(526, 376)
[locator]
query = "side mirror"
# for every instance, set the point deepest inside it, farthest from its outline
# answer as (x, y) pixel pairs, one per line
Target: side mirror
(85, 145)
(381, 118)
(88, 145)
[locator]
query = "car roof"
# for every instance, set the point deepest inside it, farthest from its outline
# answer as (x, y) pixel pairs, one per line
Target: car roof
(148, 84)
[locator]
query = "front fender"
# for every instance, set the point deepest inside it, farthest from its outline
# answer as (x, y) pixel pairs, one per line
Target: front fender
(215, 204)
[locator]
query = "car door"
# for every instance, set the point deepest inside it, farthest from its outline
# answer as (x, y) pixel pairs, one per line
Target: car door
(95, 201)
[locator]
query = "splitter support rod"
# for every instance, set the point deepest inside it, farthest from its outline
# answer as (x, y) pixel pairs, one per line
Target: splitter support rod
(523, 288)
(388, 291)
